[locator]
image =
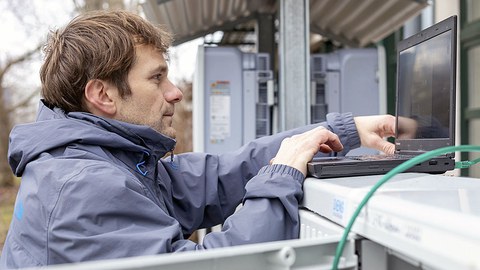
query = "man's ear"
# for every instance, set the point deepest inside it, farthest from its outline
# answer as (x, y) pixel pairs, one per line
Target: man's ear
(98, 98)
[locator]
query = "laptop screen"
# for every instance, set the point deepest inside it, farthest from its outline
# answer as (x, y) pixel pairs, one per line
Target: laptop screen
(426, 89)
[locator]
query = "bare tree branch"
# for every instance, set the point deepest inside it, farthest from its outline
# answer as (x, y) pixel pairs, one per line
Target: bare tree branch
(24, 103)
(17, 60)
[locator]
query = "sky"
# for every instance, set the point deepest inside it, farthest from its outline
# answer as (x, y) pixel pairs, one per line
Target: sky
(37, 16)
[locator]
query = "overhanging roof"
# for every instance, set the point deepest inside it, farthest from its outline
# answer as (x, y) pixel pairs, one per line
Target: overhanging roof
(360, 22)
(352, 22)
(190, 19)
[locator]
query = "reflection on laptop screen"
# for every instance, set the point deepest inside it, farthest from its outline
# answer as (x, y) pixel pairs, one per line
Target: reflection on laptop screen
(424, 81)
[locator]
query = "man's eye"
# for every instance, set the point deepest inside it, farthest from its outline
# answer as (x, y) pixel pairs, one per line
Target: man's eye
(157, 76)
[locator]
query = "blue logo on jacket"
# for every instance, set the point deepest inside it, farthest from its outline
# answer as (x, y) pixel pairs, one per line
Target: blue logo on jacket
(18, 211)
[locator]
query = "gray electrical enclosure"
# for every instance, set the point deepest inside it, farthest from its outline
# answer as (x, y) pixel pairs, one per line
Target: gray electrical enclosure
(233, 93)
(347, 80)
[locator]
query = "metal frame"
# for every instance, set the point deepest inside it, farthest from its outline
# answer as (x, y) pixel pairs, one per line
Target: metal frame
(294, 64)
(469, 38)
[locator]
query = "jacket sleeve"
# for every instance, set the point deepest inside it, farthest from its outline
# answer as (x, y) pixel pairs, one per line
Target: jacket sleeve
(269, 211)
(208, 188)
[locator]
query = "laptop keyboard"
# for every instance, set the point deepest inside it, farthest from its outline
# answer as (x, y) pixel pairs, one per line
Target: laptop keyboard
(381, 157)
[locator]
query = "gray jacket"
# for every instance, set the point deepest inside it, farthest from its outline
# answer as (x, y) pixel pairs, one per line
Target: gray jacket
(95, 188)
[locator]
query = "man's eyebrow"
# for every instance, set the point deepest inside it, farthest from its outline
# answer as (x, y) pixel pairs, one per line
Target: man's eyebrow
(160, 68)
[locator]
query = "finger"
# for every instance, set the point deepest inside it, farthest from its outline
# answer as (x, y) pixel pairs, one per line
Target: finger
(325, 148)
(387, 147)
(333, 142)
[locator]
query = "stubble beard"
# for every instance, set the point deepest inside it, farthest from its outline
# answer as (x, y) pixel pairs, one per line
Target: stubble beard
(167, 129)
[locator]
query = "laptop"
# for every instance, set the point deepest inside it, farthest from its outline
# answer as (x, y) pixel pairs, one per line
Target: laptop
(425, 108)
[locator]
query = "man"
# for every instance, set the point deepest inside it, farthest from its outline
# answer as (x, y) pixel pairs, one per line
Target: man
(94, 185)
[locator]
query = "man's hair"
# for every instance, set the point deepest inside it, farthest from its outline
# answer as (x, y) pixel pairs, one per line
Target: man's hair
(95, 45)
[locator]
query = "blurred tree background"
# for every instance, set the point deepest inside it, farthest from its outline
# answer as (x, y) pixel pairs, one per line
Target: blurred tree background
(20, 59)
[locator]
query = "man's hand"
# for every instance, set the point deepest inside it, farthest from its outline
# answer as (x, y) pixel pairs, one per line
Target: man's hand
(374, 129)
(299, 149)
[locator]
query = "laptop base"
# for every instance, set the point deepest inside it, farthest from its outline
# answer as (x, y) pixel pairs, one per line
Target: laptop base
(331, 167)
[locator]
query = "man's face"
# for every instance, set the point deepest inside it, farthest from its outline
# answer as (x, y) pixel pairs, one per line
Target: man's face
(153, 95)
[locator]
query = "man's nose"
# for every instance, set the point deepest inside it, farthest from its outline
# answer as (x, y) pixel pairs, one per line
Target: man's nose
(173, 94)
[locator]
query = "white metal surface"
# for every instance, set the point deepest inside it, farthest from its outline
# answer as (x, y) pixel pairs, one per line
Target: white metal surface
(199, 104)
(314, 226)
(292, 254)
(431, 218)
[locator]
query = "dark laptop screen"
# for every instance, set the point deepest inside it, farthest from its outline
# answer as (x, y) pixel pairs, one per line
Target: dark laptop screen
(424, 88)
